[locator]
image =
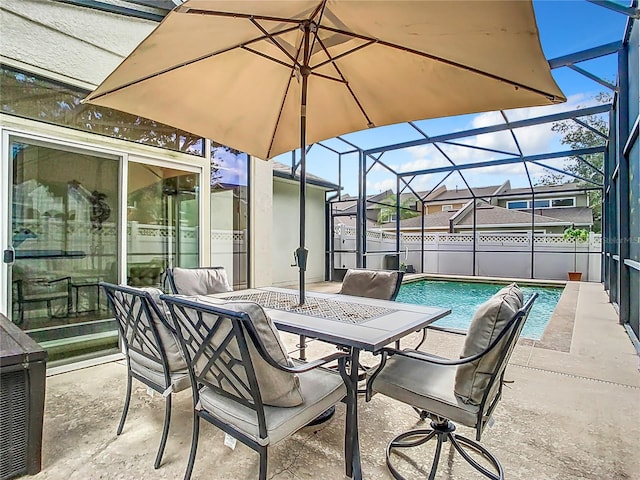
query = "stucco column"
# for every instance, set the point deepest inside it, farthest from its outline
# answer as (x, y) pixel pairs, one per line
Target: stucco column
(261, 224)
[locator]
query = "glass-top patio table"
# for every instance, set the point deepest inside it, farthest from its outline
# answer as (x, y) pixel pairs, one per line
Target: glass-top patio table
(355, 322)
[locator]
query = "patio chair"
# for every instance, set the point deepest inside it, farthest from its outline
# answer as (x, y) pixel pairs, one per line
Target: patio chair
(465, 391)
(242, 379)
(150, 347)
(29, 289)
(197, 281)
(380, 284)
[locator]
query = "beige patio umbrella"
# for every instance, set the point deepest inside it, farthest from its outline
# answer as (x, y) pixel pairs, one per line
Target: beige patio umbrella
(267, 77)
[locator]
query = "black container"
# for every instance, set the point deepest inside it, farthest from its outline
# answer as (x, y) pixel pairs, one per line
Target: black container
(22, 389)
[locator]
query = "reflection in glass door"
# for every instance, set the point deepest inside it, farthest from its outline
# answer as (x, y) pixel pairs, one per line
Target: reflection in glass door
(162, 222)
(229, 213)
(64, 210)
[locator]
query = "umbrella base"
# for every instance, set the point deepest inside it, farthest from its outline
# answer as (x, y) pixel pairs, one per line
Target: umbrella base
(323, 417)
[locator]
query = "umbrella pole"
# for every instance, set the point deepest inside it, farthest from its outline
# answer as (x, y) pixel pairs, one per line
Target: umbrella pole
(301, 252)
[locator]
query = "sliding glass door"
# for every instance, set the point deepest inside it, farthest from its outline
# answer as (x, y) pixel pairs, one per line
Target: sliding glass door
(63, 231)
(162, 222)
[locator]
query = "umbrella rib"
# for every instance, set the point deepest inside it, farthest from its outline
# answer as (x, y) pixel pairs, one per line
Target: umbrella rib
(346, 84)
(327, 77)
(236, 15)
(186, 64)
(264, 55)
(273, 40)
(445, 61)
(319, 12)
(342, 55)
(284, 99)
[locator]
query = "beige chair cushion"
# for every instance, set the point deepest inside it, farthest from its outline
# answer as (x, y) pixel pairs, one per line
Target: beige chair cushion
(370, 284)
(321, 388)
(488, 321)
(201, 281)
(141, 365)
(427, 386)
(277, 388)
(169, 341)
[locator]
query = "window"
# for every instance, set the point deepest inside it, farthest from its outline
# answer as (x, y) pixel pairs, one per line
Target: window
(563, 202)
(517, 204)
(386, 217)
(29, 96)
(540, 204)
(447, 208)
(544, 203)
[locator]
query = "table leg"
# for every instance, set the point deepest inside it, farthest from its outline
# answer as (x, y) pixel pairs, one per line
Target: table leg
(351, 441)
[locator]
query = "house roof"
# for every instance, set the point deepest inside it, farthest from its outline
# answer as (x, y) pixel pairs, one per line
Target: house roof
(284, 171)
(350, 221)
(494, 215)
(544, 189)
(575, 215)
(433, 220)
(465, 193)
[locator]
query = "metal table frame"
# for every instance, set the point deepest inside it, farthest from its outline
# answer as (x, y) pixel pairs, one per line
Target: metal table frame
(369, 335)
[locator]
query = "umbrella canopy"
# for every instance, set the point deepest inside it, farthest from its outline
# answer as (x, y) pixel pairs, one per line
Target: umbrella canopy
(266, 77)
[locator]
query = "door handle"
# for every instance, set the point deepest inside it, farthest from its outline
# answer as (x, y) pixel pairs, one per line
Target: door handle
(9, 256)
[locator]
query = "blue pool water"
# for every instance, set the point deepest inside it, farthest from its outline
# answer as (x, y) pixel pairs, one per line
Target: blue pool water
(464, 297)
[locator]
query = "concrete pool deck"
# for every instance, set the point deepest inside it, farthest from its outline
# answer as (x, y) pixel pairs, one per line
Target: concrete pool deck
(569, 413)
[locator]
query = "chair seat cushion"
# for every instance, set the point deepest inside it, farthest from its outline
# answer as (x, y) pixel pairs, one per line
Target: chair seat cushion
(201, 281)
(488, 321)
(321, 388)
(425, 385)
(141, 365)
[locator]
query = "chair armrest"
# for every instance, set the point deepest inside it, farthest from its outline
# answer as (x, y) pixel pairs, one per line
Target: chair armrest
(61, 279)
(314, 364)
(300, 368)
(445, 329)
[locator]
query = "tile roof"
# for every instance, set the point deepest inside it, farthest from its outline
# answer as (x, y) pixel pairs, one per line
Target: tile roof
(576, 215)
(284, 171)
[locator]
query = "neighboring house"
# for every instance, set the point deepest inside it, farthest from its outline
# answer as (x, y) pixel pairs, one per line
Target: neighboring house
(443, 200)
(498, 208)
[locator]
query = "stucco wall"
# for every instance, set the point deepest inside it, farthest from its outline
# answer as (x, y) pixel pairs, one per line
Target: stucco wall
(77, 43)
(286, 232)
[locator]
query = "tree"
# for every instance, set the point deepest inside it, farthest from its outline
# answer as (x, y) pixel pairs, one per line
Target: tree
(389, 208)
(578, 136)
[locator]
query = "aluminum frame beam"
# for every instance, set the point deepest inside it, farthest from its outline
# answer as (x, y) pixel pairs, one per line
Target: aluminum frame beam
(529, 122)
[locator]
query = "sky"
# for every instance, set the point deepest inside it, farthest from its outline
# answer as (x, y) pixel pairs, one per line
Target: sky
(565, 27)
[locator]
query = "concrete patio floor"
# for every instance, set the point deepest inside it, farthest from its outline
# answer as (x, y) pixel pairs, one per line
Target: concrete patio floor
(570, 413)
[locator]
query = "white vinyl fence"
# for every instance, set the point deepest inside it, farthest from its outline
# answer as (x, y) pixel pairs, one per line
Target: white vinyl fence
(497, 254)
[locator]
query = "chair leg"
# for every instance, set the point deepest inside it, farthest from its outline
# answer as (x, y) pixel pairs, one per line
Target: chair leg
(194, 445)
(263, 463)
(165, 431)
(443, 432)
(126, 405)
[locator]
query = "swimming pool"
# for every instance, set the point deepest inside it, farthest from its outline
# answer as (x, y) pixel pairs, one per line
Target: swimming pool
(464, 297)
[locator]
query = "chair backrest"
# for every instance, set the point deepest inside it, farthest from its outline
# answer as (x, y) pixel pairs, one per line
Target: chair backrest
(500, 350)
(381, 284)
(197, 281)
(229, 351)
(147, 336)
